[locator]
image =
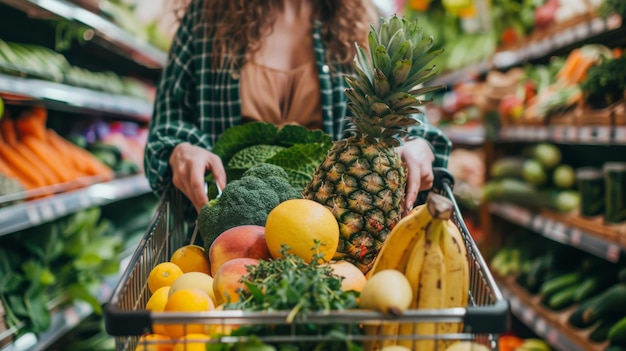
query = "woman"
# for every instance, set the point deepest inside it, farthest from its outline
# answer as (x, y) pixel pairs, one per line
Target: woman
(279, 61)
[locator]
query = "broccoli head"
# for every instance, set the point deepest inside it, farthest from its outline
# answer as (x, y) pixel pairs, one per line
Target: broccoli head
(266, 170)
(247, 200)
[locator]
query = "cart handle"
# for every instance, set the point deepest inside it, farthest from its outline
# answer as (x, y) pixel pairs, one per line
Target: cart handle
(443, 182)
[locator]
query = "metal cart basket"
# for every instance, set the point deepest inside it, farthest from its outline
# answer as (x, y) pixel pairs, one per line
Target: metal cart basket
(485, 317)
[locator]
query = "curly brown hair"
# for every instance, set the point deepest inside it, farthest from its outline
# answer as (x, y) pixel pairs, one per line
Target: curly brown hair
(237, 26)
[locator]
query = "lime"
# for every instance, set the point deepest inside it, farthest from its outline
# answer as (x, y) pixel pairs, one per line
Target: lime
(1, 108)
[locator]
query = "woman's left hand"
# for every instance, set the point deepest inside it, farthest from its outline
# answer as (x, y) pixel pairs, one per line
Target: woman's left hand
(419, 157)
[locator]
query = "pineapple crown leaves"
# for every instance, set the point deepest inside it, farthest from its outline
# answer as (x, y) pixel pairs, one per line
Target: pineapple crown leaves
(386, 92)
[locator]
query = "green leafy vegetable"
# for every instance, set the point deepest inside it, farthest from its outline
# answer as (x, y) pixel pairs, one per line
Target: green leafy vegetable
(605, 83)
(290, 284)
(302, 149)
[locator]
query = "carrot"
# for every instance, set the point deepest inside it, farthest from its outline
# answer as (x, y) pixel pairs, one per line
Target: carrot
(5, 169)
(81, 157)
(25, 172)
(7, 126)
(31, 129)
(33, 122)
(569, 65)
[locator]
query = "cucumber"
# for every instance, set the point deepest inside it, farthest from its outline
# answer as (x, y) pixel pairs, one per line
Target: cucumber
(593, 285)
(611, 303)
(576, 318)
(536, 274)
(600, 332)
(562, 299)
(558, 283)
(617, 333)
(508, 167)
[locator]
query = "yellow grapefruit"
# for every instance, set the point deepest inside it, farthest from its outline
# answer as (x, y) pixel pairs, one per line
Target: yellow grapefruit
(298, 224)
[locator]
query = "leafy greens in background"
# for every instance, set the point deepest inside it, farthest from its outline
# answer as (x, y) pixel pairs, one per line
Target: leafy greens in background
(303, 149)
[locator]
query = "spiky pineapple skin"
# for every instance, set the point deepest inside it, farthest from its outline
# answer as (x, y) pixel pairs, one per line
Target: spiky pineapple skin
(363, 186)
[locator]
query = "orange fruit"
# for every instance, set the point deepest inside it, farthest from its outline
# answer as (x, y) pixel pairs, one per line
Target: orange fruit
(154, 342)
(298, 223)
(187, 300)
(353, 277)
(191, 280)
(192, 342)
(163, 274)
(221, 328)
(191, 258)
(156, 303)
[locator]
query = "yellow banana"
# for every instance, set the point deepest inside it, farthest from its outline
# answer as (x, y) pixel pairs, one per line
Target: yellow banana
(396, 250)
(432, 283)
(432, 280)
(395, 254)
(412, 272)
(456, 278)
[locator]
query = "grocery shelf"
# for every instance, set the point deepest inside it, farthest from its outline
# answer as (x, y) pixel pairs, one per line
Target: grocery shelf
(589, 235)
(587, 135)
(67, 97)
(34, 212)
(107, 32)
(68, 317)
(549, 325)
(579, 31)
(465, 134)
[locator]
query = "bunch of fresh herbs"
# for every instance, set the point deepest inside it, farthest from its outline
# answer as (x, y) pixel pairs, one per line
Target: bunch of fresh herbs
(290, 284)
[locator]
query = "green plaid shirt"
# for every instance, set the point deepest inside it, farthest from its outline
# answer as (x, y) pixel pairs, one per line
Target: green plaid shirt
(196, 103)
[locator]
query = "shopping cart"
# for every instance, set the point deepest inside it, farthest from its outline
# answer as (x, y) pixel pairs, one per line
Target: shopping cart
(485, 317)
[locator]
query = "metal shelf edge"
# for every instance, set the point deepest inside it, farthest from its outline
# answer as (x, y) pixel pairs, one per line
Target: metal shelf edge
(585, 135)
(31, 213)
(559, 231)
(77, 97)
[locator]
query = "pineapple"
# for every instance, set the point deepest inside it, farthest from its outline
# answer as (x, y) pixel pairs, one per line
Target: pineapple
(363, 179)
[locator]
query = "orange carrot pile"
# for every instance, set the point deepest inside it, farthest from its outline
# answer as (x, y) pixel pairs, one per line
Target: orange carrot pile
(38, 157)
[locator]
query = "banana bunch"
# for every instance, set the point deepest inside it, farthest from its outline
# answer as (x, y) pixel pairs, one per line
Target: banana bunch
(429, 249)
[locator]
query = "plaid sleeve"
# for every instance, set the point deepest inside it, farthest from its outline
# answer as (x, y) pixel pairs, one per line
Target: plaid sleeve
(174, 118)
(440, 143)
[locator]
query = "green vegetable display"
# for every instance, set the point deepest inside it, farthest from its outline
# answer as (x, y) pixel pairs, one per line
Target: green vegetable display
(62, 261)
(605, 83)
(296, 149)
(247, 200)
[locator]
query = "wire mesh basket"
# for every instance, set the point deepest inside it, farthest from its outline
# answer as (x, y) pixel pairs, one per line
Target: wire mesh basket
(484, 318)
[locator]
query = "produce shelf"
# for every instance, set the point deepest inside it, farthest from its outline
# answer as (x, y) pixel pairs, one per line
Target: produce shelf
(70, 98)
(465, 134)
(107, 32)
(579, 31)
(549, 325)
(34, 212)
(68, 317)
(586, 135)
(589, 235)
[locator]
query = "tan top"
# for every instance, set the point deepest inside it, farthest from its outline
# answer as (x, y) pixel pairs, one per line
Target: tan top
(281, 97)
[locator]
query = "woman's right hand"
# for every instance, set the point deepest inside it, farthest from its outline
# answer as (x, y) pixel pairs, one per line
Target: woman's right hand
(189, 164)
